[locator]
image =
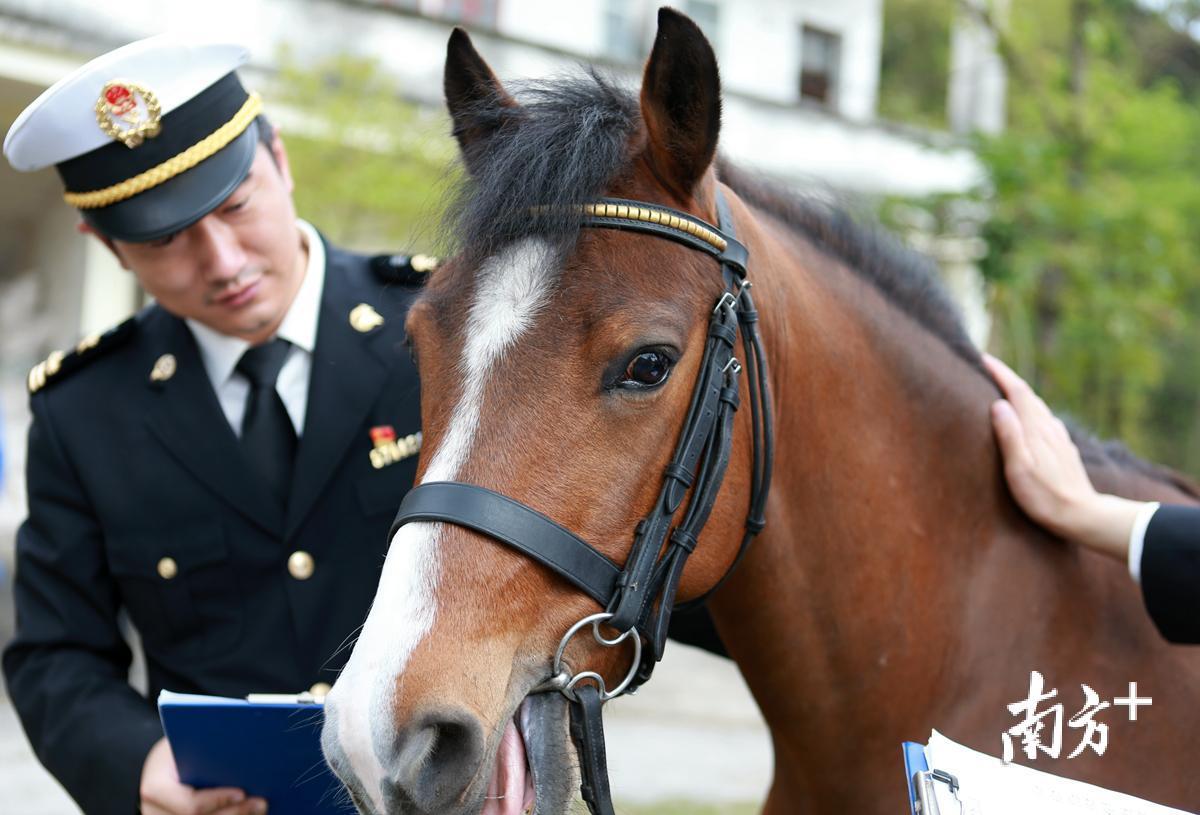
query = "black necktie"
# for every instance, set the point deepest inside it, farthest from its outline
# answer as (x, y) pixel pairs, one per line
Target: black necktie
(268, 436)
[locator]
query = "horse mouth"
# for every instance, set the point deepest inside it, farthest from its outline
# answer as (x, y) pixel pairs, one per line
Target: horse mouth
(532, 775)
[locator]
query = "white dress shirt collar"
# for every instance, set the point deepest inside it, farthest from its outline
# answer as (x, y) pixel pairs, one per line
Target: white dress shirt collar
(299, 326)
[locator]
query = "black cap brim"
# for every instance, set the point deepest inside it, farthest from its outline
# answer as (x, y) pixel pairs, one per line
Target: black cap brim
(181, 201)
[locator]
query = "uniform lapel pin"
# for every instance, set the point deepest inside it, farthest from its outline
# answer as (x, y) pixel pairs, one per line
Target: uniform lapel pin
(364, 318)
(164, 368)
(423, 264)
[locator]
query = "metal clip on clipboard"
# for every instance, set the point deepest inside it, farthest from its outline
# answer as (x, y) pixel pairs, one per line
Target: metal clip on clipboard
(926, 803)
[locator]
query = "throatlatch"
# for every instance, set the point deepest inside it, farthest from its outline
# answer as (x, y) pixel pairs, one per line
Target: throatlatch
(639, 598)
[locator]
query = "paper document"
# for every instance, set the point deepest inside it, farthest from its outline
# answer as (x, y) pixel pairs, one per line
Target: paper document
(987, 786)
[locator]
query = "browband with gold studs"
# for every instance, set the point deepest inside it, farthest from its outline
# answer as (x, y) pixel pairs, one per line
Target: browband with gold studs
(618, 213)
(649, 215)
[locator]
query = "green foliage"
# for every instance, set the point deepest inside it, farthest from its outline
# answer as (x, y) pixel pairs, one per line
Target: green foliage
(915, 61)
(1094, 256)
(370, 168)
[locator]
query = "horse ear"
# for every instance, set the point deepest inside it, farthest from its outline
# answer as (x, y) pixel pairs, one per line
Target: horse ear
(681, 102)
(474, 96)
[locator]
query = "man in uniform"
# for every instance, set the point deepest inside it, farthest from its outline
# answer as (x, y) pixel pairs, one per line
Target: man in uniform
(224, 465)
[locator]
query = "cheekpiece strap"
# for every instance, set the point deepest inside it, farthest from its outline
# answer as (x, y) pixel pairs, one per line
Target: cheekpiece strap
(587, 731)
(642, 582)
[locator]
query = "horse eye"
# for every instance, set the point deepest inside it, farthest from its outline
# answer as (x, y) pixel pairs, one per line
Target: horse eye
(647, 370)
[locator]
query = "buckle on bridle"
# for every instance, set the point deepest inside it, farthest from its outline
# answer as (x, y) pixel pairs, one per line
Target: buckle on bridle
(728, 300)
(563, 680)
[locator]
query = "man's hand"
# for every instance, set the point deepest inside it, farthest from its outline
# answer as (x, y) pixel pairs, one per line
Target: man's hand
(163, 794)
(1046, 475)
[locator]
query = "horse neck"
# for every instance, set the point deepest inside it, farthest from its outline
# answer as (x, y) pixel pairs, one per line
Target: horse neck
(897, 587)
(883, 427)
(887, 503)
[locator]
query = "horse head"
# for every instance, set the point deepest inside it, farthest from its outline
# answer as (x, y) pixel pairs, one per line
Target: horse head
(557, 368)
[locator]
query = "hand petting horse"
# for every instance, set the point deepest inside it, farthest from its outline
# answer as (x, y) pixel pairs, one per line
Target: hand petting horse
(580, 369)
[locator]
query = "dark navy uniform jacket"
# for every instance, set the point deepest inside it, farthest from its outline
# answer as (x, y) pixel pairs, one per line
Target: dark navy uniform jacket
(1171, 572)
(126, 471)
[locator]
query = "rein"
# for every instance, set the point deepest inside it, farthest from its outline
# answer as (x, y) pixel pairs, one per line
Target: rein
(659, 553)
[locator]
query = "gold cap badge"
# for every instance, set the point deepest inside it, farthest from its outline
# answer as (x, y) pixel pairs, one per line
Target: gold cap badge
(164, 368)
(364, 318)
(128, 112)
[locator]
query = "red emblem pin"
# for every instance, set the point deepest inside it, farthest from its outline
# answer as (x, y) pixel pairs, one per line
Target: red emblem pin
(382, 435)
(120, 100)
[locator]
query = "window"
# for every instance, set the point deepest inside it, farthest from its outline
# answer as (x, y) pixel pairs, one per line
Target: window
(473, 12)
(820, 55)
(622, 31)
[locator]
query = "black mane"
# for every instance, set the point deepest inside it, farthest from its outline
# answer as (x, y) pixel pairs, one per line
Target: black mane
(565, 143)
(907, 279)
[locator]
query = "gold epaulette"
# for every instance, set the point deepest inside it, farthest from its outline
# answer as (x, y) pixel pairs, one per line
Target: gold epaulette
(58, 364)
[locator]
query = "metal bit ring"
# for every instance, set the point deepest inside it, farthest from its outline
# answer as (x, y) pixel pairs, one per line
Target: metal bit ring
(561, 670)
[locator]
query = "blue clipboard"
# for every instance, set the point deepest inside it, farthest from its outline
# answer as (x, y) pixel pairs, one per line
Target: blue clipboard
(922, 799)
(269, 749)
(914, 762)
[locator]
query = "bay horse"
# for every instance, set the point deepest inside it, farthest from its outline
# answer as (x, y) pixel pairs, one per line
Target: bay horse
(896, 587)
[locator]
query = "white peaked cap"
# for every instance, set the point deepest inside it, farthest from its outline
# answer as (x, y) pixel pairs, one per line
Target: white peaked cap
(61, 123)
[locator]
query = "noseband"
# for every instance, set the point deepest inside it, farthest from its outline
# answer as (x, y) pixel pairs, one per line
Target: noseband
(651, 573)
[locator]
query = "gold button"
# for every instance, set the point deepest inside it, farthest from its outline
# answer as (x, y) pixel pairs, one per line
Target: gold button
(300, 565)
(167, 568)
(320, 689)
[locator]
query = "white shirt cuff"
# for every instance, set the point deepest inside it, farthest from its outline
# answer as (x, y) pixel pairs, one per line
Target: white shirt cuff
(1137, 538)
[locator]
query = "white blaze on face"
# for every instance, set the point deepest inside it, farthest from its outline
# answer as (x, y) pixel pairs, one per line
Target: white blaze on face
(509, 291)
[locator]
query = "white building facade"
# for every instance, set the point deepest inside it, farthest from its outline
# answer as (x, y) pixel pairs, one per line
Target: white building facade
(800, 77)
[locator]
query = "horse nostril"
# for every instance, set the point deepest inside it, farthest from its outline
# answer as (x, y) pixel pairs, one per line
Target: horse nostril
(436, 759)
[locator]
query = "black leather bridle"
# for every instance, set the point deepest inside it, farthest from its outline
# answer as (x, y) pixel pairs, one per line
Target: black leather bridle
(656, 560)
